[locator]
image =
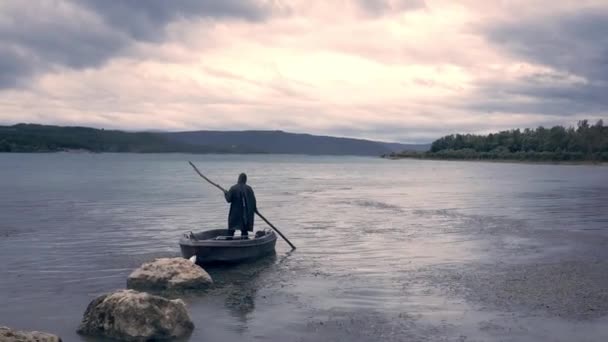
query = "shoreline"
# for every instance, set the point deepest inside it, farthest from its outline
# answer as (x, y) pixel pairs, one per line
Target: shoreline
(513, 161)
(193, 153)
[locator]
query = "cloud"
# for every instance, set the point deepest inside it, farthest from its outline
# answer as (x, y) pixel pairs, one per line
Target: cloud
(12, 67)
(378, 7)
(87, 33)
(57, 34)
(383, 69)
(574, 41)
(571, 46)
(146, 20)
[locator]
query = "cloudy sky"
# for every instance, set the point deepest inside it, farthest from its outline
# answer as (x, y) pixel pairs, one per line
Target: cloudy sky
(398, 70)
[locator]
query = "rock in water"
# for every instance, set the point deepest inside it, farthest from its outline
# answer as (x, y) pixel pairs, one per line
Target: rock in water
(169, 274)
(136, 316)
(10, 335)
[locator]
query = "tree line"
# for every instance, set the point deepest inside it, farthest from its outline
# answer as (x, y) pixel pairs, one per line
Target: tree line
(42, 138)
(585, 142)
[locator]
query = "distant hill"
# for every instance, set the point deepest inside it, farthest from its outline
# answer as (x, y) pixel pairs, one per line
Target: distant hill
(44, 138)
(291, 143)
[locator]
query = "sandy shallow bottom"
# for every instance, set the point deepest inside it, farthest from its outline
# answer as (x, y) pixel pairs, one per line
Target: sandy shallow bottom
(530, 297)
(525, 288)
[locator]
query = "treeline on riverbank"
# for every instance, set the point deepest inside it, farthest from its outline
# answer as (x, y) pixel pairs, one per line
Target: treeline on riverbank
(42, 138)
(584, 143)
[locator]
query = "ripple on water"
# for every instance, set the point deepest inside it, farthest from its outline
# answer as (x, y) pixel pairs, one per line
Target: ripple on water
(370, 235)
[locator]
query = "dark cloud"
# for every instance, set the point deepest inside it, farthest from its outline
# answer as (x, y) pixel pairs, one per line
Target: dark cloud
(36, 37)
(529, 95)
(55, 38)
(146, 20)
(12, 67)
(572, 44)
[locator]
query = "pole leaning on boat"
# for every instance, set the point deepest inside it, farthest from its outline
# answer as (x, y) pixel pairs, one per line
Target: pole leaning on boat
(256, 211)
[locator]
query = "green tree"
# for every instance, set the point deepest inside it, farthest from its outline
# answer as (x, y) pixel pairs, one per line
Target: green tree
(556, 143)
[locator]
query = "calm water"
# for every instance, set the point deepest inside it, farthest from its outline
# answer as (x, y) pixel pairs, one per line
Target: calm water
(376, 240)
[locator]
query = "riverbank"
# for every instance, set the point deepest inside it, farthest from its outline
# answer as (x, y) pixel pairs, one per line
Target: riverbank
(43, 138)
(509, 161)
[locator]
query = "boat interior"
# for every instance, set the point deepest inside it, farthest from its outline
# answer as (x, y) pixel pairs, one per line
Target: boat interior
(224, 234)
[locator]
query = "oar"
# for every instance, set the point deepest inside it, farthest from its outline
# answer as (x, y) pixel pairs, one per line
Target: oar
(205, 178)
(276, 229)
(256, 211)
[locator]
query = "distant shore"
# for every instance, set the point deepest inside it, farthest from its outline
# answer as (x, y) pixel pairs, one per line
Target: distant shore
(583, 144)
(499, 160)
(84, 151)
(36, 138)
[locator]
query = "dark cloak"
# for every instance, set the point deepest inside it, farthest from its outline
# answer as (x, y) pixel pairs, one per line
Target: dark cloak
(242, 207)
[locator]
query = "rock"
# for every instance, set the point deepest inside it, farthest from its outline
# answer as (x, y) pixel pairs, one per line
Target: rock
(169, 274)
(10, 335)
(129, 315)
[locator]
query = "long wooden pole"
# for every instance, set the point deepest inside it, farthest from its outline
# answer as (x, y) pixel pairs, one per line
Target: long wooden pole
(205, 178)
(276, 229)
(256, 211)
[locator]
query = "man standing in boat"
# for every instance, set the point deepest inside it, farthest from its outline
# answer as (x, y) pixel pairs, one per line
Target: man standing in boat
(242, 207)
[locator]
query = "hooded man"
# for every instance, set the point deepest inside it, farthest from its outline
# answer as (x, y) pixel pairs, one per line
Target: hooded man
(242, 207)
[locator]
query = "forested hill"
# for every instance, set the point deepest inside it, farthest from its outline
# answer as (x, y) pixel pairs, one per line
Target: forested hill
(284, 142)
(40, 138)
(582, 143)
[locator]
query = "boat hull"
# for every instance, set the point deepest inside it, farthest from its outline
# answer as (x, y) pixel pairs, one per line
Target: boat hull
(208, 250)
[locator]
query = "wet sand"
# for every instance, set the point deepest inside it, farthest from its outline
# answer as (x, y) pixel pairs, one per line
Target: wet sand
(526, 287)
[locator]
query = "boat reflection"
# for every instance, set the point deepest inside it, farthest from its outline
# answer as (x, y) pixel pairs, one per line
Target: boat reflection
(239, 285)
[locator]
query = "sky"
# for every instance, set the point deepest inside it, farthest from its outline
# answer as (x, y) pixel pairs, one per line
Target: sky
(393, 70)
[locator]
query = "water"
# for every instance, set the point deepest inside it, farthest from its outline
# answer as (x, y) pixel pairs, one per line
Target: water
(390, 250)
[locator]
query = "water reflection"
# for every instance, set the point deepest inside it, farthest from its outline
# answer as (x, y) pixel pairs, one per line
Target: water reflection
(240, 302)
(239, 285)
(368, 231)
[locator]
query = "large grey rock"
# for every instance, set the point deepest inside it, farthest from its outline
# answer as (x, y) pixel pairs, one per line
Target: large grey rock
(169, 274)
(136, 316)
(10, 335)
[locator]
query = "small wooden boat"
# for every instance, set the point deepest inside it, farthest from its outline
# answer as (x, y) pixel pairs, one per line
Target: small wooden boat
(216, 246)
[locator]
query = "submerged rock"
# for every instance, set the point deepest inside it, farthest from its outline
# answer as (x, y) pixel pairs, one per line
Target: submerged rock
(169, 274)
(136, 316)
(10, 335)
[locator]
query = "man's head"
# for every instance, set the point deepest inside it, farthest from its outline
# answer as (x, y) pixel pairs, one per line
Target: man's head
(242, 178)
